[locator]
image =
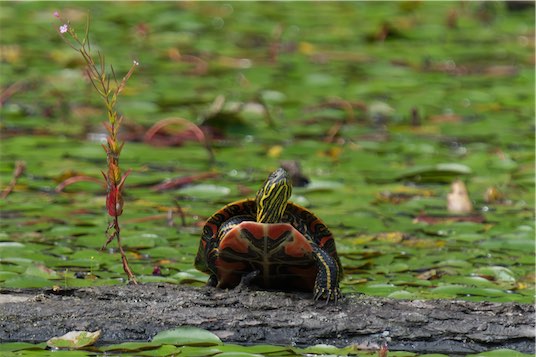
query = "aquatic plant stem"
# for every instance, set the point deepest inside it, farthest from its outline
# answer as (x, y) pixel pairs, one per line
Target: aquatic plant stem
(117, 235)
(109, 88)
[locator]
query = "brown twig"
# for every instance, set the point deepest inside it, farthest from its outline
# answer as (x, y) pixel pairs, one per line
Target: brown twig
(20, 166)
(200, 65)
(333, 132)
(10, 91)
(268, 117)
(339, 103)
(181, 213)
(275, 44)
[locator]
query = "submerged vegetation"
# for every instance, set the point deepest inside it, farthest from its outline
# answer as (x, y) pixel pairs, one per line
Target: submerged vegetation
(389, 109)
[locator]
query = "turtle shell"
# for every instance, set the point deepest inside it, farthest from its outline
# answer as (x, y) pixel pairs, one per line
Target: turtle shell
(280, 252)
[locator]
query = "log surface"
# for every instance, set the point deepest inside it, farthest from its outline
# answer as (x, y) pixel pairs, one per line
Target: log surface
(137, 313)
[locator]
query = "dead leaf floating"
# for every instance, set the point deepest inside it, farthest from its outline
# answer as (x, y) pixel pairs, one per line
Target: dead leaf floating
(458, 199)
(493, 195)
(74, 339)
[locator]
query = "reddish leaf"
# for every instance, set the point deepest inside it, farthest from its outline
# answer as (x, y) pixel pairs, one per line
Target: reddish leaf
(181, 181)
(114, 202)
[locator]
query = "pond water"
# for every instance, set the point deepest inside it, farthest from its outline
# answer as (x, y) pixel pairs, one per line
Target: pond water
(384, 106)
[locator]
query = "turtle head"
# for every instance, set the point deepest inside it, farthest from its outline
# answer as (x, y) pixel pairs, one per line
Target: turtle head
(272, 198)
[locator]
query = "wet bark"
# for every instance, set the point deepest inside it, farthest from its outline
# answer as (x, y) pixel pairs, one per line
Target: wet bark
(126, 313)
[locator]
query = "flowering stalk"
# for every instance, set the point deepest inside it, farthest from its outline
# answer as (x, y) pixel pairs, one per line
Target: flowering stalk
(101, 81)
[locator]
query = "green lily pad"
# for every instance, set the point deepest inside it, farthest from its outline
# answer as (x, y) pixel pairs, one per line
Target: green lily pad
(21, 346)
(164, 350)
(445, 172)
(263, 350)
(322, 349)
(6, 275)
(40, 270)
(27, 281)
(403, 295)
(196, 351)
(130, 346)
(206, 191)
(187, 336)
(191, 275)
(156, 279)
(320, 186)
(5, 245)
(454, 290)
(500, 353)
(239, 354)
(499, 273)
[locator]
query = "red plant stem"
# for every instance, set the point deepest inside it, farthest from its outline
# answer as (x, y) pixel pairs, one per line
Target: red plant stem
(20, 166)
(117, 234)
(126, 267)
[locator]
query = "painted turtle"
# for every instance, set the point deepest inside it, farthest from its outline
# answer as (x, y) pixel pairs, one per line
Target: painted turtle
(271, 243)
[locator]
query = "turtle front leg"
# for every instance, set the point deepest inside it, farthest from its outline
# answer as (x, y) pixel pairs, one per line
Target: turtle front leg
(248, 278)
(327, 279)
(212, 280)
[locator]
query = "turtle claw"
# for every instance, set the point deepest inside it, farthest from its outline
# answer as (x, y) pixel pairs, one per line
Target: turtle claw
(212, 280)
(327, 294)
(248, 278)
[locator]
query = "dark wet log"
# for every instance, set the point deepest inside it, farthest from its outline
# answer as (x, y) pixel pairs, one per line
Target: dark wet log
(240, 316)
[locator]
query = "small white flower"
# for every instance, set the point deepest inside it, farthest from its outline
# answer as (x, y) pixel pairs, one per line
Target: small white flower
(64, 28)
(136, 63)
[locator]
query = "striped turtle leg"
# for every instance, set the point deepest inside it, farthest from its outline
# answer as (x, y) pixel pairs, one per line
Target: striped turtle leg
(212, 280)
(327, 279)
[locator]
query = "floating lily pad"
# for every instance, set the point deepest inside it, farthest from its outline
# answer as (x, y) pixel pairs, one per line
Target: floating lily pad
(165, 350)
(206, 191)
(320, 186)
(500, 353)
(191, 275)
(497, 273)
(21, 346)
(156, 279)
(436, 173)
(27, 281)
(187, 336)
